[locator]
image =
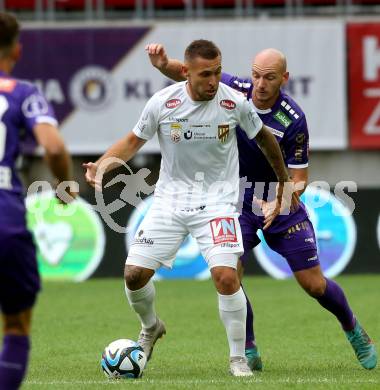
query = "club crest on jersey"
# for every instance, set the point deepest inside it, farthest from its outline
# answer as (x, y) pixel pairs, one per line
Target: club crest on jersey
(175, 132)
(7, 85)
(223, 230)
(228, 104)
(223, 131)
(173, 103)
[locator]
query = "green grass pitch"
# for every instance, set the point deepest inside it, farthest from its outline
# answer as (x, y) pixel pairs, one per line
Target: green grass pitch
(302, 345)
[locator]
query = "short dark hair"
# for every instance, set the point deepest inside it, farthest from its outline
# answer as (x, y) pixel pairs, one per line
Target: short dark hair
(9, 30)
(202, 48)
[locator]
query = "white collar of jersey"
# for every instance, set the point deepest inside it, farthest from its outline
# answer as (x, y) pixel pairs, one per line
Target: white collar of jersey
(266, 111)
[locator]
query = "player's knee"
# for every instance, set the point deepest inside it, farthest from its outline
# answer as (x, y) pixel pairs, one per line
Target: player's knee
(135, 277)
(314, 288)
(225, 279)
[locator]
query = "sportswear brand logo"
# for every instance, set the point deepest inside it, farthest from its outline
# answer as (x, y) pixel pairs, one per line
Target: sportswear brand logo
(144, 241)
(173, 103)
(179, 120)
(223, 131)
(228, 104)
(223, 230)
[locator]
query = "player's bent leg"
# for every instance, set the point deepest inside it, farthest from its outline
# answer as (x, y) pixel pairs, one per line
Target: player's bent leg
(140, 292)
(15, 350)
(232, 310)
(311, 280)
(331, 296)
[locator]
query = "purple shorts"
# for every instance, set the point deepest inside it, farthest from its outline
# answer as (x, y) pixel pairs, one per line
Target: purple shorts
(297, 243)
(19, 278)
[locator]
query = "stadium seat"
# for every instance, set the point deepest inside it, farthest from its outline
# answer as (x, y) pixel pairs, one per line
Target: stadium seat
(120, 4)
(170, 4)
(70, 4)
(21, 4)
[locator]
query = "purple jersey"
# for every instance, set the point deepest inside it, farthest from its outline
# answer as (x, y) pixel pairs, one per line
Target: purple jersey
(22, 106)
(290, 129)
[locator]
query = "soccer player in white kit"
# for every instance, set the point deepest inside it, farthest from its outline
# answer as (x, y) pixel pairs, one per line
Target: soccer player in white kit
(197, 190)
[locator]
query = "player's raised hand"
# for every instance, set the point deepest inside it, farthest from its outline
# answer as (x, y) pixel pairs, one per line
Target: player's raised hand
(90, 175)
(157, 55)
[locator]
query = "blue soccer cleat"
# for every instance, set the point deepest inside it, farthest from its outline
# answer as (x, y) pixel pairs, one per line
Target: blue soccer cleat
(254, 359)
(363, 346)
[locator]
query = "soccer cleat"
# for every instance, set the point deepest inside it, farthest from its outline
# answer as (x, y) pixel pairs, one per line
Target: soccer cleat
(254, 359)
(148, 337)
(239, 367)
(363, 346)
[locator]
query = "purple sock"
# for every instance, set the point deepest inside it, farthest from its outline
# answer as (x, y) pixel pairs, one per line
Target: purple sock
(249, 335)
(13, 361)
(335, 301)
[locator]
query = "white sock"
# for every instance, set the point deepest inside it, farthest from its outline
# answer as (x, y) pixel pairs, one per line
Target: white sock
(233, 313)
(142, 302)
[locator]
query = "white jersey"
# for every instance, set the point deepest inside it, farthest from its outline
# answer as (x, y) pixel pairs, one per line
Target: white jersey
(200, 164)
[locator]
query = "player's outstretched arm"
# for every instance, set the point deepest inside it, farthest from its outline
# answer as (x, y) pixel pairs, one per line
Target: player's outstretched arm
(124, 150)
(56, 155)
(171, 68)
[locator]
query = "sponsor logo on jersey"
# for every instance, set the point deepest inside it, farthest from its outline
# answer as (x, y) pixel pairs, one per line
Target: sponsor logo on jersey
(179, 120)
(173, 103)
(223, 230)
(282, 118)
(228, 104)
(188, 134)
(7, 85)
(277, 132)
(223, 131)
(175, 132)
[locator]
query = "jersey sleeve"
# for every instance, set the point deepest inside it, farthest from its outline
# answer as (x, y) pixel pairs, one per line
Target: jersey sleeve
(249, 120)
(147, 125)
(35, 109)
(296, 145)
(237, 83)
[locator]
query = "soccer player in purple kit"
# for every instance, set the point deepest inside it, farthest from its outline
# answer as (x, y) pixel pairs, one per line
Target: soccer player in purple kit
(290, 235)
(22, 109)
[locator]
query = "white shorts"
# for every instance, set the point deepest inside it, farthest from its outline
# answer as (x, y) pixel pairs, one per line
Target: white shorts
(163, 230)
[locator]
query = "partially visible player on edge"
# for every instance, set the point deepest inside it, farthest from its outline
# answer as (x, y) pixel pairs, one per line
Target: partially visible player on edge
(291, 235)
(22, 109)
(197, 190)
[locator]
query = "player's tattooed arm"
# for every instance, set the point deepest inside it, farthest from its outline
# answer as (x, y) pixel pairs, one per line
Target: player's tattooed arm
(271, 149)
(286, 197)
(170, 67)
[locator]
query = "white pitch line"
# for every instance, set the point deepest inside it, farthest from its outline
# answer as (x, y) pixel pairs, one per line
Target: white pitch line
(208, 381)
